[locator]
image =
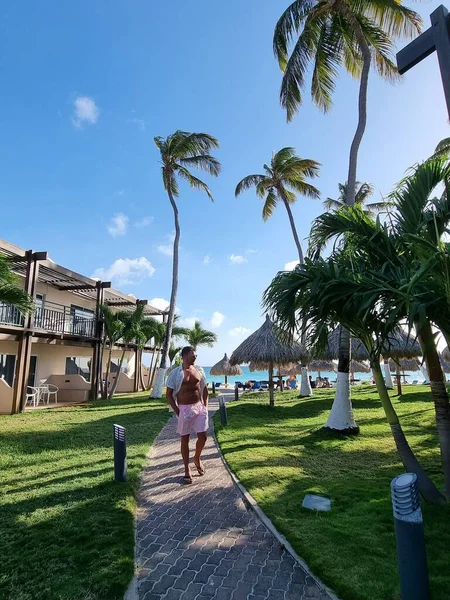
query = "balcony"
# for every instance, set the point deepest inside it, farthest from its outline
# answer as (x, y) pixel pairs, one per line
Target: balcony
(52, 318)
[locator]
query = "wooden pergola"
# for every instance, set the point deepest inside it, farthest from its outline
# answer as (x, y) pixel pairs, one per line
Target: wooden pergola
(37, 267)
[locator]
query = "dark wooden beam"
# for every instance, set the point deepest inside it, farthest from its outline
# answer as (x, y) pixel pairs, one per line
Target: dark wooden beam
(416, 51)
(437, 38)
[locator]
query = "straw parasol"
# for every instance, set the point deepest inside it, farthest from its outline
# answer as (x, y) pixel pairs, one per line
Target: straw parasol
(406, 364)
(321, 365)
(265, 346)
(223, 367)
(401, 345)
(331, 352)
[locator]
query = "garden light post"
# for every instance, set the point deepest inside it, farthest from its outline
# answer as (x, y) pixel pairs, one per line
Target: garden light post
(409, 533)
(120, 453)
(223, 412)
(435, 39)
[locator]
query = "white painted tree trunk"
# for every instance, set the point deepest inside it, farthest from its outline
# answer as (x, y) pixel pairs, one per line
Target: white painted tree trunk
(305, 386)
(341, 415)
(157, 391)
(424, 371)
(387, 376)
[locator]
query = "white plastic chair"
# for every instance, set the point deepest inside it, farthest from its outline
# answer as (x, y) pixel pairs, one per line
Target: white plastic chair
(33, 396)
(52, 390)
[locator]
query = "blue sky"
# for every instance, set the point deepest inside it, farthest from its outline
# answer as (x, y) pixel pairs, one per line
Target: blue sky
(87, 85)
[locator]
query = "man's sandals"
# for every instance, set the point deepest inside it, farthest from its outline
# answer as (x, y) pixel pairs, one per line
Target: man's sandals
(187, 479)
(200, 468)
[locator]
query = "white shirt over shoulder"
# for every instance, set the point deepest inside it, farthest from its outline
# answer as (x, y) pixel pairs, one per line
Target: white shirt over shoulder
(175, 380)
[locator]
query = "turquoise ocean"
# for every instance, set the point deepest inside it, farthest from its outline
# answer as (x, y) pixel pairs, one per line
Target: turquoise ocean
(264, 376)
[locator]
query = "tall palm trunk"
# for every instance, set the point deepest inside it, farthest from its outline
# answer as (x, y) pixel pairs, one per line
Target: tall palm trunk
(387, 375)
(440, 396)
(399, 379)
(294, 230)
(158, 387)
(151, 371)
(102, 354)
(116, 380)
(427, 488)
(108, 369)
(305, 386)
(141, 374)
(341, 416)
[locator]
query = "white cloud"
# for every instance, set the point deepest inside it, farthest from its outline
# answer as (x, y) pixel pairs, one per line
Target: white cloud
(144, 222)
(207, 259)
(118, 225)
(217, 319)
(159, 303)
(126, 271)
(251, 251)
(238, 331)
(119, 193)
(236, 259)
(187, 322)
(166, 250)
(290, 266)
(85, 111)
(140, 123)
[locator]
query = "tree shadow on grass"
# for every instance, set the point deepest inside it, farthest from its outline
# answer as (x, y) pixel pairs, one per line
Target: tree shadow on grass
(67, 528)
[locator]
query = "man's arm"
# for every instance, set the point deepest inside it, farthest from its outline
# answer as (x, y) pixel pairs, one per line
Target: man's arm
(171, 401)
(205, 394)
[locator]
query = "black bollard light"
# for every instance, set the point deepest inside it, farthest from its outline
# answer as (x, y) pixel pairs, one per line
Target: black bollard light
(409, 533)
(236, 392)
(120, 453)
(223, 412)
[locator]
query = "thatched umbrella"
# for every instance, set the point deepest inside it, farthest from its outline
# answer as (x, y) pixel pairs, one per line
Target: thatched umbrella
(321, 365)
(401, 345)
(357, 366)
(445, 363)
(403, 364)
(331, 352)
(223, 367)
(265, 346)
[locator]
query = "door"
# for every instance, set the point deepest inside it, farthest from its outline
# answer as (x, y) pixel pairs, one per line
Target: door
(32, 373)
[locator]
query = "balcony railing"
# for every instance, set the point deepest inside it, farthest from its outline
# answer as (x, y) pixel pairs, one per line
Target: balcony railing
(53, 318)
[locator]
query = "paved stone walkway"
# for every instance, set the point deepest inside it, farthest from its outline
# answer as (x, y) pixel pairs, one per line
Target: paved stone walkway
(199, 541)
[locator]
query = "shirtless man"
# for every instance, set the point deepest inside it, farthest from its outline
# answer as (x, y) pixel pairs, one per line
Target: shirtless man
(187, 394)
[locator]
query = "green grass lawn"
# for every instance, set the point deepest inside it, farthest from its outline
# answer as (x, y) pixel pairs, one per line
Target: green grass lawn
(281, 454)
(66, 527)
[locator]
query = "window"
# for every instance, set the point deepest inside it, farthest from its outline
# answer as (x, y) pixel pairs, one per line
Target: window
(79, 365)
(7, 365)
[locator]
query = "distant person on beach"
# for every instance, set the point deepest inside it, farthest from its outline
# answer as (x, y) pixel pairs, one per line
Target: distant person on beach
(187, 394)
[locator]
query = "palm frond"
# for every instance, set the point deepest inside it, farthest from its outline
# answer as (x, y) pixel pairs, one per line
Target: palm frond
(194, 182)
(203, 162)
(287, 26)
(248, 182)
(269, 204)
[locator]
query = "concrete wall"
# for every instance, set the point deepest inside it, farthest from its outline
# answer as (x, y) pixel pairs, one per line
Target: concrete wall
(6, 398)
(72, 388)
(51, 358)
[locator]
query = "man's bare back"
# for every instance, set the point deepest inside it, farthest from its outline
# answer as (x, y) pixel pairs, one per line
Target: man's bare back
(190, 391)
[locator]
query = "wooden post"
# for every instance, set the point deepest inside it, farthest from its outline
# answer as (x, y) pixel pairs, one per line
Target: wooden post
(271, 391)
(435, 39)
(26, 336)
(97, 358)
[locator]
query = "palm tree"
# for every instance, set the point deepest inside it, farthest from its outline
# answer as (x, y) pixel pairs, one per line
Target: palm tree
(410, 277)
(113, 326)
(179, 152)
(285, 176)
(158, 338)
(339, 33)
(363, 192)
(10, 291)
(197, 336)
(147, 330)
(338, 290)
